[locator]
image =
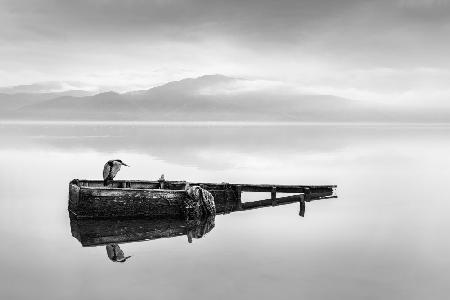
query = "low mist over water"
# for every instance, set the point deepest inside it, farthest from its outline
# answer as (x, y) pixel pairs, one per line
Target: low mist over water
(385, 236)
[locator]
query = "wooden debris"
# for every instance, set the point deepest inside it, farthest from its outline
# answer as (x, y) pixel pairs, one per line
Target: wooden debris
(135, 198)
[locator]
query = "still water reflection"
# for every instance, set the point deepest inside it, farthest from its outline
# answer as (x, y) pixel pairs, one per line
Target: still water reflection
(116, 254)
(112, 232)
(385, 237)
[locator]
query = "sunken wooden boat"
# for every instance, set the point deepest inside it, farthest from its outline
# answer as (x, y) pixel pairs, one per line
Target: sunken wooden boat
(161, 198)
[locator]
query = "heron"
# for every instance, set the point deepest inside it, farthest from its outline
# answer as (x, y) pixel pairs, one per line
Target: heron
(110, 170)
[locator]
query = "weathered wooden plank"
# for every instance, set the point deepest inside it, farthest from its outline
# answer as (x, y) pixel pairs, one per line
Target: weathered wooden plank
(268, 202)
(138, 184)
(285, 189)
(213, 184)
(74, 196)
(238, 197)
(273, 196)
(106, 202)
(225, 200)
(132, 193)
(307, 192)
(322, 198)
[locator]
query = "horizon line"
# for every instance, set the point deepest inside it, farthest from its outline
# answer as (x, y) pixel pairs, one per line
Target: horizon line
(225, 123)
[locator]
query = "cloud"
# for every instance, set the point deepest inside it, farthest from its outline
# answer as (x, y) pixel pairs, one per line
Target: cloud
(423, 3)
(252, 24)
(134, 44)
(46, 87)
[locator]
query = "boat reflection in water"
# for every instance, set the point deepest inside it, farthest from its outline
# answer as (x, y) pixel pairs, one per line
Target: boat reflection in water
(137, 230)
(111, 233)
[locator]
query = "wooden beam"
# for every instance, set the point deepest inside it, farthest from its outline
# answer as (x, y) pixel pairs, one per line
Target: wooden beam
(307, 192)
(268, 202)
(147, 184)
(238, 197)
(286, 188)
(219, 184)
(273, 196)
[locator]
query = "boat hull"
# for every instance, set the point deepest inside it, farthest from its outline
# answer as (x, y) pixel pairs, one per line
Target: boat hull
(94, 201)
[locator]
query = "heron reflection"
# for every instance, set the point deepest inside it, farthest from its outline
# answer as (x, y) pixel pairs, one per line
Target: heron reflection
(116, 254)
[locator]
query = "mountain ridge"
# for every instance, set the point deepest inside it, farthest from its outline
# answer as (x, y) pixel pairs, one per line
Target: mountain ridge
(185, 100)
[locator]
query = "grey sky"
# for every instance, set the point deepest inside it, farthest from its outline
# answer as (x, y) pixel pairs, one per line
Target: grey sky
(359, 49)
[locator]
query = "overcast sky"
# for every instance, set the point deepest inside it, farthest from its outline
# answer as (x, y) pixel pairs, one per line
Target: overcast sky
(396, 50)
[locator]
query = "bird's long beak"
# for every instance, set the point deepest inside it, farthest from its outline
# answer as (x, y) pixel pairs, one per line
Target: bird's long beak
(125, 164)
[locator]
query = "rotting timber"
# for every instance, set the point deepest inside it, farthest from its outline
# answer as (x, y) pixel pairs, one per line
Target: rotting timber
(138, 198)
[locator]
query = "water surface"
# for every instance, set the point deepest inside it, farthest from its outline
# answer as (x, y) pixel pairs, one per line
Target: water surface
(386, 236)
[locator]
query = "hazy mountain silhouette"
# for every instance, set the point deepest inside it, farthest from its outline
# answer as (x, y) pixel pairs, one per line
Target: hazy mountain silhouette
(207, 98)
(11, 101)
(83, 107)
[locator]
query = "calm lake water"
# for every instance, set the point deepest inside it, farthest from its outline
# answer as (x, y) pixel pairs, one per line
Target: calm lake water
(385, 237)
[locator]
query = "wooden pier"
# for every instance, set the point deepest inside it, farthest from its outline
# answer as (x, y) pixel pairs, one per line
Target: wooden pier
(129, 199)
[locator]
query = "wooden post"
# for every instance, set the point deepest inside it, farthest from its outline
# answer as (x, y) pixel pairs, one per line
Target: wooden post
(273, 195)
(307, 192)
(302, 209)
(307, 197)
(238, 197)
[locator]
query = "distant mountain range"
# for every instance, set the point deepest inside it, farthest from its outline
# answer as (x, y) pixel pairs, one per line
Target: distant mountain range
(207, 98)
